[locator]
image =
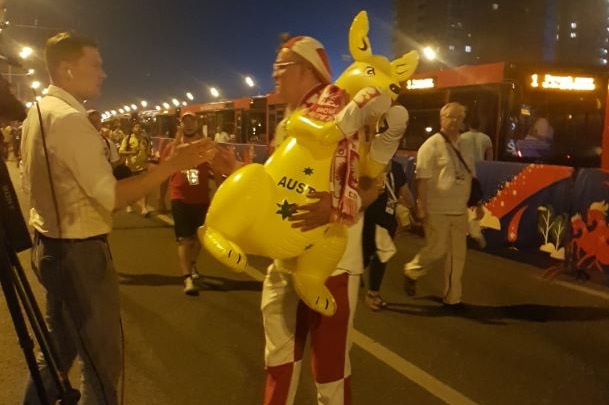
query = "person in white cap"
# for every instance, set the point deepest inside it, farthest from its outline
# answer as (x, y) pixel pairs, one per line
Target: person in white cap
(301, 71)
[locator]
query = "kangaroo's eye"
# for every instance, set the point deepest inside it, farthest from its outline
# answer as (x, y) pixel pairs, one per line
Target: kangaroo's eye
(369, 71)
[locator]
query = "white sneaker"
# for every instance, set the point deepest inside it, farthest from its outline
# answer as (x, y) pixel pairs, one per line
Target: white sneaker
(189, 287)
(147, 210)
(194, 274)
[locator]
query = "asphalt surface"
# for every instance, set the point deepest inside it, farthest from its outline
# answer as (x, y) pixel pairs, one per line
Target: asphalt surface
(521, 339)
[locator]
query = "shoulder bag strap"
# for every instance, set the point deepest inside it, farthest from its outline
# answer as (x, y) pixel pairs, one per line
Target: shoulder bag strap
(456, 151)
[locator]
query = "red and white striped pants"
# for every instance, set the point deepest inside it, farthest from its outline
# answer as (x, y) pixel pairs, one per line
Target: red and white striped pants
(288, 321)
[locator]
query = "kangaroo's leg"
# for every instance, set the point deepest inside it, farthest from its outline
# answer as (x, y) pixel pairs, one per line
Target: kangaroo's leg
(230, 218)
(225, 251)
(315, 265)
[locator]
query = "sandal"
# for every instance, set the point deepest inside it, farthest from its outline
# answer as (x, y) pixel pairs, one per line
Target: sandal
(374, 301)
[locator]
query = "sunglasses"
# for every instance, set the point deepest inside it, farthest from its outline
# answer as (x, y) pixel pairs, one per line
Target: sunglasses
(277, 66)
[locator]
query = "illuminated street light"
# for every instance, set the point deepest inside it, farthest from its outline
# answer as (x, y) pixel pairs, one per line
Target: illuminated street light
(45, 91)
(133, 107)
(189, 96)
(158, 108)
(166, 106)
(36, 84)
(113, 112)
(121, 111)
(249, 81)
(175, 102)
(26, 52)
(184, 103)
(127, 108)
(144, 103)
(214, 92)
(28, 104)
(30, 72)
(429, 53)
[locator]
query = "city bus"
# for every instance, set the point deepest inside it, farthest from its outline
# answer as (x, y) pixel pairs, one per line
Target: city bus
(248, 120)
(533, 113)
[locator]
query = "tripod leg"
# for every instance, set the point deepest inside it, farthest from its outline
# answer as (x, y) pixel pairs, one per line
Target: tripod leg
(58, 366)
(27, 345)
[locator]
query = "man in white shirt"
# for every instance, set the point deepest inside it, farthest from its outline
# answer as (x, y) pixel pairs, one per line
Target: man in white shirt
(72, 214)
(221, 136)
(481, 143)
(443, 188)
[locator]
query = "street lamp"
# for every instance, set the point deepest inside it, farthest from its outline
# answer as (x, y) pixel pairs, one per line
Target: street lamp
(189, 96)
(214, 92)
(36, 85)
(251, 83)
(429, 53)
(133, 107)
(26, 52)
(144, 103)
(175, 102)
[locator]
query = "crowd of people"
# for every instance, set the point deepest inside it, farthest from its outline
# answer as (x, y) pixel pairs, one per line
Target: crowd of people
(10, 141)
(95, 170)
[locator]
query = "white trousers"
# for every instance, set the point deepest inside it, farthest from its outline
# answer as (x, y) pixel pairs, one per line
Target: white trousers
(445, 236)
(288, 322)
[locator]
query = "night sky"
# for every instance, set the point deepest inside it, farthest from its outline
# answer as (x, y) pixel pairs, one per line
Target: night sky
(159, 49)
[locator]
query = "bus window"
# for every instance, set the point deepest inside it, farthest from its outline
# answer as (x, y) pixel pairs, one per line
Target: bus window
(562, 128)
(256, 127)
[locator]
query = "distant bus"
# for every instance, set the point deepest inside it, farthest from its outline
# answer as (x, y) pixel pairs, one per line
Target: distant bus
(538, 113)
(247, 120)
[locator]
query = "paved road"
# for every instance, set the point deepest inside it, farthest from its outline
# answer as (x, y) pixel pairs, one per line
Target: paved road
(522, 340)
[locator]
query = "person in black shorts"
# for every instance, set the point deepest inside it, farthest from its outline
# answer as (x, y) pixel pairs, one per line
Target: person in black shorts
(189, 194)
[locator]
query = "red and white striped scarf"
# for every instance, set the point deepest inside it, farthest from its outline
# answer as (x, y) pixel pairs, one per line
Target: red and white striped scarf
(344, 174)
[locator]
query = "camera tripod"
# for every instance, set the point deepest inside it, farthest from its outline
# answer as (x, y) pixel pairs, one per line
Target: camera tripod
(18, 294)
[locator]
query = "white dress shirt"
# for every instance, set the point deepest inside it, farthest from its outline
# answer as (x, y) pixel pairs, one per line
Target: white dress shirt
(82, 177)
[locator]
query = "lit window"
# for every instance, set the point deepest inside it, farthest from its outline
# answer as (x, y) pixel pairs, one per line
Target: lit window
(495, 6)
(573, 35)
(573, 25)
(468, 49)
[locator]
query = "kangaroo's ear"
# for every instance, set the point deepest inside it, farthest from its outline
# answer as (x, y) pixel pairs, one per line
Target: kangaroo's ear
(359, 43)
(404, 66)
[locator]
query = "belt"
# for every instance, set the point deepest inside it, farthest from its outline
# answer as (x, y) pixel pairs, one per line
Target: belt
(101, 238)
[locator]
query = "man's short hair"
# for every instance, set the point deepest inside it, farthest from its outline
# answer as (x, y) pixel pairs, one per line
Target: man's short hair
(453, 105)
(65, 46)
(474, 122)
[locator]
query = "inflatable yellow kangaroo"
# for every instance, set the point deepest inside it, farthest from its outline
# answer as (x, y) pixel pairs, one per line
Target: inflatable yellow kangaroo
(250, 210)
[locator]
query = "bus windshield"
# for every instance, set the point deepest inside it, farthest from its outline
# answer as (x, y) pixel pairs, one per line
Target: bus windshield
(556, 127)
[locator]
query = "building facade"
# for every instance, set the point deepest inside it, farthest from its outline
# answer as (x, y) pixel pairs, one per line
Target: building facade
(481, 31)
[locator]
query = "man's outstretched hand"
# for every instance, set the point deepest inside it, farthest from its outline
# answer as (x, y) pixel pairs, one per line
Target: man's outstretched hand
(313, 215)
